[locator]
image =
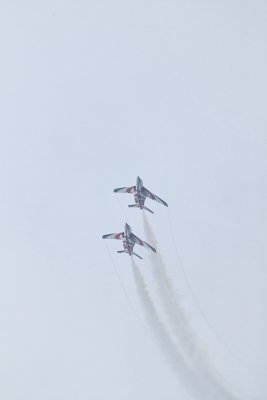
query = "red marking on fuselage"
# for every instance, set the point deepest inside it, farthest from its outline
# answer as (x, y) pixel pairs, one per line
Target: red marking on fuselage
(139, 199)
(128, 246)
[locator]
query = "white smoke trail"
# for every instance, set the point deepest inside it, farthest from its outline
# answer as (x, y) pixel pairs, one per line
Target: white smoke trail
(153, 318)
(171, 300)
(175, 359)
(186, 341)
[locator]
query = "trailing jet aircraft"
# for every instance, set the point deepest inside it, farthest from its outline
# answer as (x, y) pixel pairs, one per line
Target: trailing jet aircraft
(129, 240)
(140, 194)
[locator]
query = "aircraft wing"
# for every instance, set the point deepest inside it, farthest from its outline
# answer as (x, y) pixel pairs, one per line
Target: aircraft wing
(130, 189)
(118, 236)
(152, 196)
(142, 242)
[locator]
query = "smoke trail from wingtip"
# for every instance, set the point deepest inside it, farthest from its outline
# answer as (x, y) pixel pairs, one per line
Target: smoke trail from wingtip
(185, 339)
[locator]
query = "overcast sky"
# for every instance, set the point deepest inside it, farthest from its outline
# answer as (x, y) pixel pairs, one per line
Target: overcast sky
(94, 93)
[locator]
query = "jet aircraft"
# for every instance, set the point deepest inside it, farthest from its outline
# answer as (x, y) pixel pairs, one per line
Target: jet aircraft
(129, 240)
(140, 194)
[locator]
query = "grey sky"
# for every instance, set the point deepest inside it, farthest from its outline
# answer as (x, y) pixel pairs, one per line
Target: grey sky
(94, 93)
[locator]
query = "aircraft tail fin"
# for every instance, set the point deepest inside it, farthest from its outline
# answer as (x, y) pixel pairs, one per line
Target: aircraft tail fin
(138, 256)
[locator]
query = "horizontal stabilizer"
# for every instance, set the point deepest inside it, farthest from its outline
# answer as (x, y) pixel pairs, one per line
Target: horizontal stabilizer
(133, 205)
(121, 251)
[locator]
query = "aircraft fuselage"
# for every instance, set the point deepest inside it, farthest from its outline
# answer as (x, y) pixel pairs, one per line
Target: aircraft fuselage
(139, 197)
(128, 243)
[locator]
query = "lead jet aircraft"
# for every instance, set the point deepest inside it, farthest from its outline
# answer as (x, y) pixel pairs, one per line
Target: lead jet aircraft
(129, 240)
(140, 194)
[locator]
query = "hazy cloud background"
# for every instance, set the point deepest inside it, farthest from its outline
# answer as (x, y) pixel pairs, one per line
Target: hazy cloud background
(94, 93)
